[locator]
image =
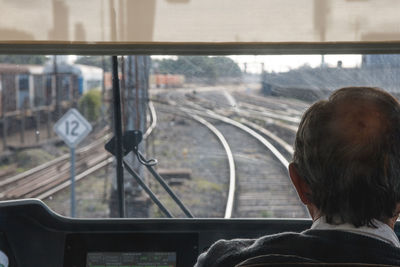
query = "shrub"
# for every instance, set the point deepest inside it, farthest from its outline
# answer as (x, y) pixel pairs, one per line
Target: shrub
(31, 158)
(90, 105)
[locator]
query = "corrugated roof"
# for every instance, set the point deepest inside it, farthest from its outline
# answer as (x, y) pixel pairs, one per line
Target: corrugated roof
(19, 68)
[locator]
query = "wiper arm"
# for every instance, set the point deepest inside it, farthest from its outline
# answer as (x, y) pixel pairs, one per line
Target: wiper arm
(161, 180)
(130, 142)
(148, 190)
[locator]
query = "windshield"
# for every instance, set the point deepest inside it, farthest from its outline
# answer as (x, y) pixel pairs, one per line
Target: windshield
(219, 130)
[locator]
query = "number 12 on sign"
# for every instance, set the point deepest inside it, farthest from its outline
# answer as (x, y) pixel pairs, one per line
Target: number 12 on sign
(74, 125)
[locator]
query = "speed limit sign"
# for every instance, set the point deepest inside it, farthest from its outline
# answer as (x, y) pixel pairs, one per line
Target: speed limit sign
(72, 127)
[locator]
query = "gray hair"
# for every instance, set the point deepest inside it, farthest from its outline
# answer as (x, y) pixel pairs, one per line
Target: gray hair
(347, 149)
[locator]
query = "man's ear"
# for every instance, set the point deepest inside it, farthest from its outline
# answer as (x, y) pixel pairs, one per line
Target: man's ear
(302, 188)
(392, 221)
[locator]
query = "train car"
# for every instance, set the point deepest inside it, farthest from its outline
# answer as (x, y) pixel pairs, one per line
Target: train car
(184, 167)
(166, 80)
(21, 84)
(81, 77)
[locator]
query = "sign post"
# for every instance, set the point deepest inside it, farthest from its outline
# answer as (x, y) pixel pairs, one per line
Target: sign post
(72, 171)
(72, 128)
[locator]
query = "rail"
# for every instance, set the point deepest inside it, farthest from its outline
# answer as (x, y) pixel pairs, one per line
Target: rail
(194, 110)
(265, 142)
(37, 182)
(153, 124)
(232, 174)
(268, 133)
(250, 128)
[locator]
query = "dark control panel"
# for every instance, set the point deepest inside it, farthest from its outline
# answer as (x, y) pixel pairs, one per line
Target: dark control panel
(33, 235)
(131, 249)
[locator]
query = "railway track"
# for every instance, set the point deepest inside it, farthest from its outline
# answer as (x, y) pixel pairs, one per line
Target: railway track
(264, 193)
(276, 119)
(290, 107)
(231, 162)
(173, 109)
(268, 193)
(51, 177)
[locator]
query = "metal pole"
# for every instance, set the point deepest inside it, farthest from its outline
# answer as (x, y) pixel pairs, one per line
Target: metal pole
(137, 93)
(5, 126)
(118, 137)
(48, 109)
(37, 126)
(3, 115)
(72, 149)
(23, 126)
(123, 94)
(103, 92)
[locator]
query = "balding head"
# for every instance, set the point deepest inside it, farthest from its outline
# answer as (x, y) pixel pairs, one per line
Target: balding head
(360, 115)
(347, 149)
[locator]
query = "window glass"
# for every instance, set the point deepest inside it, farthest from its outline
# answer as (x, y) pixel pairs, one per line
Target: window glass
(193, 112)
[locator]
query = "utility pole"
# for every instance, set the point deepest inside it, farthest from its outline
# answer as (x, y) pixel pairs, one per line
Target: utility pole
(103, 92)
(56, 88)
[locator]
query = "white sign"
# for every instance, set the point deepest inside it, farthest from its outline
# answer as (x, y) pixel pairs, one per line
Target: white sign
(72, 127)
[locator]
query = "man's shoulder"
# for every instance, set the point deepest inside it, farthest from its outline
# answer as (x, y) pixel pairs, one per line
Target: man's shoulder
(320, 245)
(226, 252)
(246, 245)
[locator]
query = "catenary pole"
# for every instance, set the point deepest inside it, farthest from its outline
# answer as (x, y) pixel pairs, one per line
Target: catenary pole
(118, 137)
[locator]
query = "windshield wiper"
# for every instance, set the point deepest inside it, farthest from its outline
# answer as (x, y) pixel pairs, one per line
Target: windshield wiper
(130, 143)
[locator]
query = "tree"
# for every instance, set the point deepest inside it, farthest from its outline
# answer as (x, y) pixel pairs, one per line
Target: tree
(96, 61)
(208, 68)
(90, 104)
(23, 59)
(226, 67)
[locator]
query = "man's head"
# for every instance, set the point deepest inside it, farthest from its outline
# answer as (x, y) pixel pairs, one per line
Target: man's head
(347, 156)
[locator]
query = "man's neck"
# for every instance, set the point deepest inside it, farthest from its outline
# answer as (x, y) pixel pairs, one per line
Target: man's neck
(316, 214)
(382, 231)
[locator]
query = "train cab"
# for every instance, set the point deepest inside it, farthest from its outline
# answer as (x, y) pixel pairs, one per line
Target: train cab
(139, 133)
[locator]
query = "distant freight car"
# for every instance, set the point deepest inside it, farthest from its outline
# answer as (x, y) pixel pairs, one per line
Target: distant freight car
(155, 80)
(167, 80)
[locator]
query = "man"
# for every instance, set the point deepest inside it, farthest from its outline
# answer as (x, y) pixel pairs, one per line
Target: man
(346, 170)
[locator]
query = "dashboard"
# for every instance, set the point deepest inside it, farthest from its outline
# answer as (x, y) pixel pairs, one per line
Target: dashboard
(33, 235)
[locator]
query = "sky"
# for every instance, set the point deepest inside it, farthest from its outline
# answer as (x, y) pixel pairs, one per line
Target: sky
(282, 63)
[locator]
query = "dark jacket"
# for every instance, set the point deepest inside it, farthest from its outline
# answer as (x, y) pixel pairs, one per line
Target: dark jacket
(330, 246)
